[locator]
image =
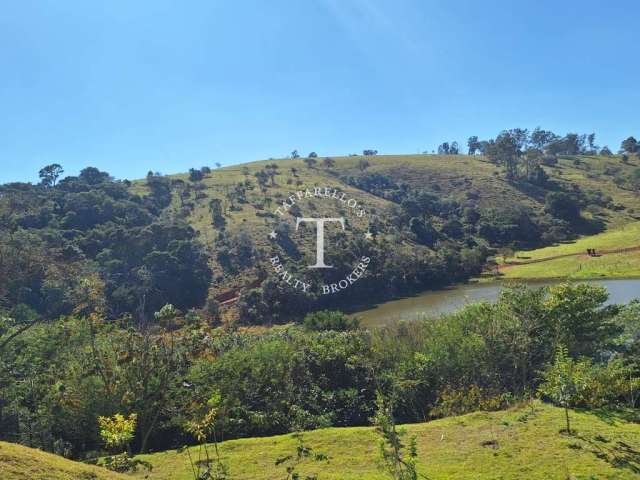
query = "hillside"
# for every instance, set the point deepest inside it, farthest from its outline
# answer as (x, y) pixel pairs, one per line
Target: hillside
(516, 444)
(617, 255)
(205, 239)
(23, 463)
(471, 182)
(459, 177)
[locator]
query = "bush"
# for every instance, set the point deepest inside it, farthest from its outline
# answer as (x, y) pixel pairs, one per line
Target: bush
(329, 320)
(458, 401)
(562, 205)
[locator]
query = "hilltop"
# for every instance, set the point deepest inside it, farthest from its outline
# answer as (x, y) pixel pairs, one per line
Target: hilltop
(523, 442)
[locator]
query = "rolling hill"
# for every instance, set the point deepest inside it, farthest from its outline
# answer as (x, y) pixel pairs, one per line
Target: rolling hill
(520, 443)
(23, 463)
(470, 182)
(210, 239)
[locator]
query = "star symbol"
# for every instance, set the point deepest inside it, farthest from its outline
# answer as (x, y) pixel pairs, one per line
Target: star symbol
(273, 234)
(368, 236)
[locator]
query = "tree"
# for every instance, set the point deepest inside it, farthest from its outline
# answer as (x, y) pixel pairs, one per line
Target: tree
(262, 177)
(562, 205)
(363, 164)
(541, 138)
(195, 175)
(295, 154)
(473, 144)
(454, 149)
(369, 152)
(504, 151)
(591, 140)
(579, 318)
(443, 148)
(328, 162)
(50, 174)
(313, 155)
(629, 145)
(93, 176)
(532, 159)
(396, 458)
(560, 384)
(218, 164)
(605, 151)
(272, 170)
(117, 431)
(520, 137)
(203, 426)
(310, 162)
(217, 216)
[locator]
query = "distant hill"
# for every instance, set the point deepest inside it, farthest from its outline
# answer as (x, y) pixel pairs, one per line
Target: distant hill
(23, 463)
(522, 443)
(201, 239)
(508, 213)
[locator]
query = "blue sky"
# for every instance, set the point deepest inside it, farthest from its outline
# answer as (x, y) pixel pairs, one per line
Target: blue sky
(165, 85)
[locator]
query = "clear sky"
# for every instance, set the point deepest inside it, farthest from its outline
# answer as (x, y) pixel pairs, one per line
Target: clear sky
(129, 86)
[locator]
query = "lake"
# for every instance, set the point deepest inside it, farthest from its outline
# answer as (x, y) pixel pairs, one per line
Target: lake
(447, 300)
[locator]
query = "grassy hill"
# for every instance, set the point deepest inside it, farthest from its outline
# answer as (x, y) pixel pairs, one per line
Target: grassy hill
(467, 180)
(456, 176)
(618, 255)
(22, 463)
(520, 443)
(435, 219)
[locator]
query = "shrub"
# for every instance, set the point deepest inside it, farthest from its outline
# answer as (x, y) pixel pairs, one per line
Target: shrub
(330, 320)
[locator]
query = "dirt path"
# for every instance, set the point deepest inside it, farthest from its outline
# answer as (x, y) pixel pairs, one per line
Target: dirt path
(506, 266)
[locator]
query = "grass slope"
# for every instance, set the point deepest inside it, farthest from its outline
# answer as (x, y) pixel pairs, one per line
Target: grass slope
(570, 260)
(528, 445)
(23, 463)
(460, 177)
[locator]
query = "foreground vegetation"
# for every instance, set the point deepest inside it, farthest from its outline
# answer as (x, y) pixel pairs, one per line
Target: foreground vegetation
(82, 387)
(522, 442)
(481, 445)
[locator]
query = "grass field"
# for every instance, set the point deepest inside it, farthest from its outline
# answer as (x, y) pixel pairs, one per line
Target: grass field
(572, 261)
(22, 463)
(522, 443)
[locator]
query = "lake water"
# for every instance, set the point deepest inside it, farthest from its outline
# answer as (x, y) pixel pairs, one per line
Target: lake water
(447, 300)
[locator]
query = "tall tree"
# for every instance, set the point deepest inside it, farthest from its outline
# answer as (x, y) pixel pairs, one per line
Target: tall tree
(591, 140)
(630, 145)
(504, 151)
(541, 138)
(49, 175)
(443, 148)
(473, 144)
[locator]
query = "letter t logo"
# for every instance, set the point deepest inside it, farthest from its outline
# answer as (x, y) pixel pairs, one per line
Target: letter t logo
(319, 237)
